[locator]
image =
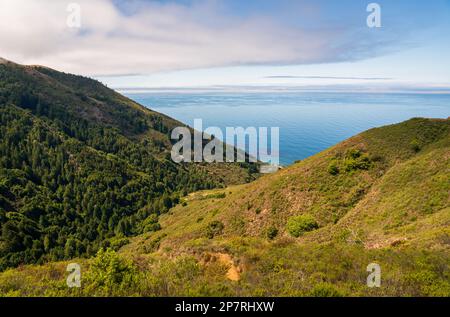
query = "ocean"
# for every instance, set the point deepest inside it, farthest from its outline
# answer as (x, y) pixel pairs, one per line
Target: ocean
(308, 122)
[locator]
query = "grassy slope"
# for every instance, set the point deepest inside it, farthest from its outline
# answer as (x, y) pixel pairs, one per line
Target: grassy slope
(401, 188)
(395, 213)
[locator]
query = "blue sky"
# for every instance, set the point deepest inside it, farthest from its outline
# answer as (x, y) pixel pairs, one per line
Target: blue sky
(264, 43)
(408, 50)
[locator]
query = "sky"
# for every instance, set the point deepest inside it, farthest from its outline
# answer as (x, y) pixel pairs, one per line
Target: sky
(251, 44)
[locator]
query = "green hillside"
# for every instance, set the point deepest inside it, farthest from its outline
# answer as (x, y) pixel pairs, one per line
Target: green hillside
(309, 230)
(382, 179)
(82, 167)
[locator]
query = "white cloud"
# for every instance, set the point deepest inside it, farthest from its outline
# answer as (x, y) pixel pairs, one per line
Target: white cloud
(159, 37)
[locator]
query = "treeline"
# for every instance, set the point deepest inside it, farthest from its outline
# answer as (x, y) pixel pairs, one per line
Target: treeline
(60, 198)
(66, 98)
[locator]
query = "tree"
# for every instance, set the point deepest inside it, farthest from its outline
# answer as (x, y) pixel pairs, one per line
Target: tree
(109, 273)
(70, 249)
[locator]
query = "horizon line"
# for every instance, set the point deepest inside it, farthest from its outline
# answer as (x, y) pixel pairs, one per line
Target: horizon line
(287, 89)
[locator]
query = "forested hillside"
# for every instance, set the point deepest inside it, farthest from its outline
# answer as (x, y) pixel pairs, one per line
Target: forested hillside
(82, 167)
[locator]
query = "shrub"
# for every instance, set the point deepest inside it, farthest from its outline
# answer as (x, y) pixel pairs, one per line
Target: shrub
(110, 274)
(272, 232)
(353, 153)
(415, 146)
(298, 225)
(333, 169)
(214, 228)
(376, 158)
(356, 160)
(152, 227)
(117, 243)
(325, 290)
(150, 224)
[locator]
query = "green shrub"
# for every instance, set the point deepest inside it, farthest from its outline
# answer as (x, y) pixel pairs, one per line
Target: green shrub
(415, 146)
(272, 232)
(152, 227)
(353, 153)
(325, 290)
(214, 228)
(298, 225)
(356, 160)
(333, 169)
(109, 274)
(117, 243)
(150, 224)
(376, 158)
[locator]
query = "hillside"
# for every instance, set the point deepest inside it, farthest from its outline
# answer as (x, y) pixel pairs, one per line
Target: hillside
(309, 230)
(374, 183)
(83, 167)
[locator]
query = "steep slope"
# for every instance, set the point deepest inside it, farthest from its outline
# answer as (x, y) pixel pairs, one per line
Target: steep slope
(383, 178)
(309, 230)
(83, 167)
(381, 196)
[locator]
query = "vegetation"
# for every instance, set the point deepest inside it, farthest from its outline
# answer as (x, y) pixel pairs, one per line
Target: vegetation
(82, 167)
(298, 225)
(395, 213)
(270, 269)
(214, 228)
(272, 232)
(356, 160)
(110, 274)
(333, 168)
(415, 145)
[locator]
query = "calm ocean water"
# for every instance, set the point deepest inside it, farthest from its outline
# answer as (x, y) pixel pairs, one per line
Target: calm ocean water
(308, 122)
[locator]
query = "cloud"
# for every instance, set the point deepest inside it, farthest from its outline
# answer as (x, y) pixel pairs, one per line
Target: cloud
(152, 37)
